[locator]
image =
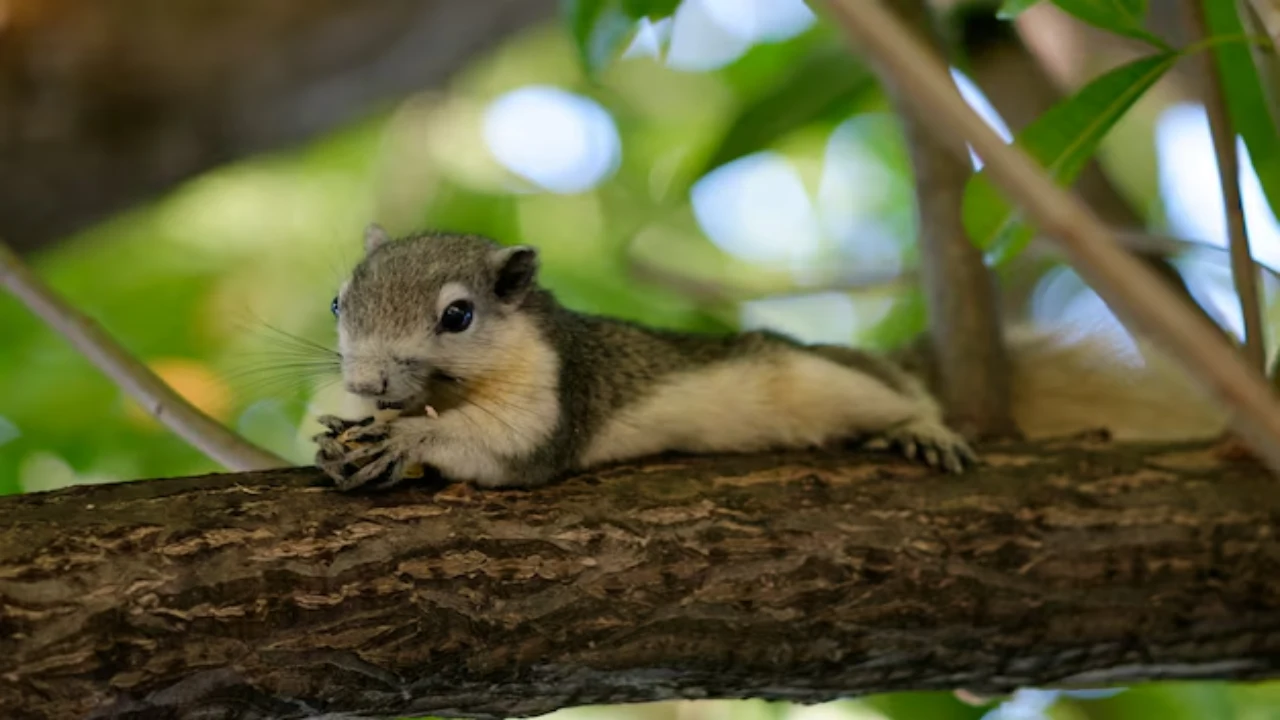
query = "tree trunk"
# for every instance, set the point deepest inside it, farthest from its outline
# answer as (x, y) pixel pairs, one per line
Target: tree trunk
(804, 576)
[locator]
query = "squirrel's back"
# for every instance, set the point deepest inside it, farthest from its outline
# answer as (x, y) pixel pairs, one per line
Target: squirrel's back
(628, 390)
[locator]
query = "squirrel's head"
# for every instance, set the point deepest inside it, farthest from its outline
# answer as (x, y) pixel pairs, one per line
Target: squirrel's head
(430, 309)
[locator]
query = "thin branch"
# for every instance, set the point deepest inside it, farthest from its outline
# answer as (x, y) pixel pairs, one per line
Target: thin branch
(1141, 299)
(1017, 83)
(1243, 271)
(1267, 13)
(1148, 246)
(204, 433)
(960, 292)
(792, 576)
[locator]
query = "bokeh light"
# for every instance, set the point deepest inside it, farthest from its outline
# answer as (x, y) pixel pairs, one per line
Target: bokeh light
(563, 142)
(758, 209)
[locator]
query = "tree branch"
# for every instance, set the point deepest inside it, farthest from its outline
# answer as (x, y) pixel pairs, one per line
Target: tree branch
(797, 576)
(1267, 13)
(105, 105)
(1021, 90)
(1140, 298)
(205, 434)
(1243, 270)
(964, 322)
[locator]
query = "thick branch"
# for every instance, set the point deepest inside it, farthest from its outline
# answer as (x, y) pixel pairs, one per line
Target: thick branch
(104, 105)
(964, 322)
(800, 576)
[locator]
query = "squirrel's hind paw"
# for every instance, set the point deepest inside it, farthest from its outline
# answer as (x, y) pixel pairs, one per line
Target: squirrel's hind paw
(934, 443)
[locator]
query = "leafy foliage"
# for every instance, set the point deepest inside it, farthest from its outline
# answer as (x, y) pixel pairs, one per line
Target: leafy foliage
(1063, 140)
(601, 28)
(1247, 106)
(1011, 9)
(826, 84)
(651, 9)
(1123, 17)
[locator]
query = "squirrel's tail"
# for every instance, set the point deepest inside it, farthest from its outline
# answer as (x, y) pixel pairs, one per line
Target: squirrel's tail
(1063, 386)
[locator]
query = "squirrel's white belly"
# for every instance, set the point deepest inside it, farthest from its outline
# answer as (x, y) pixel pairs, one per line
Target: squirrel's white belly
(790, 399)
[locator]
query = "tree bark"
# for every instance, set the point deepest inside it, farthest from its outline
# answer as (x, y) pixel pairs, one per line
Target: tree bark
(104, 105)
(970, 362)
(799, 576)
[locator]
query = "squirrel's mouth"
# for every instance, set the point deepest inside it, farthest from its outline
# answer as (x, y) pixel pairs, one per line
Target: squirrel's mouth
(419, 404)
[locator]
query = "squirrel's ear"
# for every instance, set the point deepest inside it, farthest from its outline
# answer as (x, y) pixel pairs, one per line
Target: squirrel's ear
(374, 236)
(517, 267)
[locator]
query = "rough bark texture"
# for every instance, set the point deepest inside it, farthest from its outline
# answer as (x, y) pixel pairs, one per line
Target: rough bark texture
(804, 576)
(104, 104)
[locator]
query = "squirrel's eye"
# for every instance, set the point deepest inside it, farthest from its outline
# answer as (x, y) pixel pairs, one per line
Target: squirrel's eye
(334, 307)
(457, 317)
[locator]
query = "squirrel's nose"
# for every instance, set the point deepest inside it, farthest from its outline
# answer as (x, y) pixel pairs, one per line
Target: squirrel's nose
(369, 387)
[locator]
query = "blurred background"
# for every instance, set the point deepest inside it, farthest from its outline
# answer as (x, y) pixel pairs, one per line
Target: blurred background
(196, 178)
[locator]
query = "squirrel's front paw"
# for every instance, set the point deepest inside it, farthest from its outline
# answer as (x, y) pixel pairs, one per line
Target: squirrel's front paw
(366, 452)
(934, 443)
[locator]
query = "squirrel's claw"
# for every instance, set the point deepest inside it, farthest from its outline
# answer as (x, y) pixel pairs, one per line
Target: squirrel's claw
(934, 443)
(343, 449)
(367, 434)
(337, 425)
(365, 454)
(386, 463)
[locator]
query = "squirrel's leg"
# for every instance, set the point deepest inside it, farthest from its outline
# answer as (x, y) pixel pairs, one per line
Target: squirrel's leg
(925, 434)
(791, 398)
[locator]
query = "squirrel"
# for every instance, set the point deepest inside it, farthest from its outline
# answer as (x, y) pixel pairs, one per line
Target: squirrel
(488, 379)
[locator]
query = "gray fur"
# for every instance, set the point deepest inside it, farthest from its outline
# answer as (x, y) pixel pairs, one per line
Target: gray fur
(393, 290)
(605, 363)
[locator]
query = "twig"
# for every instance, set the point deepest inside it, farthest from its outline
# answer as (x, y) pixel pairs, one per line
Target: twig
(161, 401)
(1243, 270)
(1141, 299)
(1267, 13)
(960, 292)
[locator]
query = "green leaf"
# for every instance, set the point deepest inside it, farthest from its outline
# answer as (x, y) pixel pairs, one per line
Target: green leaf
(601, 28)
(652, 9)
(1247, 102)
(1011, 9)
(1062, 140)
(826, 84)
(1123, 17)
